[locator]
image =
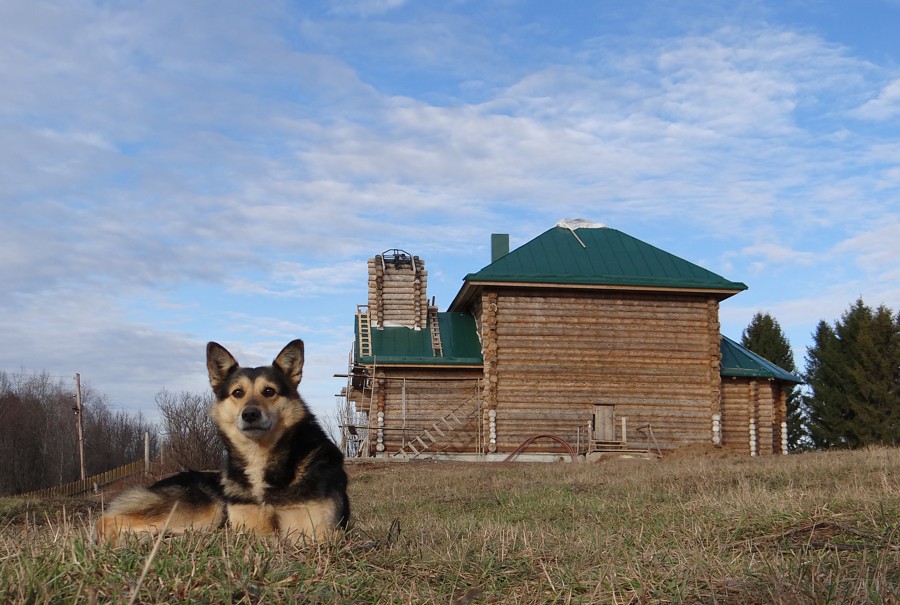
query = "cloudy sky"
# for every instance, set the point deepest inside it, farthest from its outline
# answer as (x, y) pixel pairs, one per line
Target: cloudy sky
(175, 172)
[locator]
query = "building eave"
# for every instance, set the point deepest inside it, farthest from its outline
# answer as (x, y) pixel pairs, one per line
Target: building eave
(470, 288)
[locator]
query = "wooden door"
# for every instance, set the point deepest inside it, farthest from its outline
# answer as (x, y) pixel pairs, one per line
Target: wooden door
(604, 423)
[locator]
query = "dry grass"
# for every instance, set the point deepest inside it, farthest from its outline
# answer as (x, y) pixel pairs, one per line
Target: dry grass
(815, 528)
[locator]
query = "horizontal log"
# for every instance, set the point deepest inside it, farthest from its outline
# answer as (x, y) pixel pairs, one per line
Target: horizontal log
(399, 282)
(575, 334)
(422, 410)
(662, 386)
(653, 344)
(397, 292)
(599, 307)
(576, 325)
(624, 407)
(664, 394)
(620, 372)
(508, 419)
(617, 297)
(635, 372)
(429, 406)
(633, 411)
(404, 306)
(596, 375)
(603, 361)
(612, 394)
(586, 337)
(653, 358)
(399, 295)
(389, 280)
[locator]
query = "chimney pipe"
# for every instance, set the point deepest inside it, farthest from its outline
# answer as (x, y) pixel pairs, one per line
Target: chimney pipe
(499, 246)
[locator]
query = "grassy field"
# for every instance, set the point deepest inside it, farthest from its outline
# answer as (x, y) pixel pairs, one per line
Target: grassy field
(812, 528)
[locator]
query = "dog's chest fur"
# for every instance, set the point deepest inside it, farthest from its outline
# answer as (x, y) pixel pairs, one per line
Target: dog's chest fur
(255, 472)
(258, 474)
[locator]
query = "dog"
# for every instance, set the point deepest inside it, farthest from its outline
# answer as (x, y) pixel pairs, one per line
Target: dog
(282, 474)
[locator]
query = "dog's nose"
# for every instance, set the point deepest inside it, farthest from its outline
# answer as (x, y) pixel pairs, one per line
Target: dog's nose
(251, 414)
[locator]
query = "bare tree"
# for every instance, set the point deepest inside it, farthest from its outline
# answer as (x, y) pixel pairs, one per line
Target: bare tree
(191, 438)
(347, 428)
(112, 439)
(37, 432)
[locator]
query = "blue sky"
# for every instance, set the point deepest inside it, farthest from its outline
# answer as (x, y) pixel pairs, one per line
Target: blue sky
(176, 172)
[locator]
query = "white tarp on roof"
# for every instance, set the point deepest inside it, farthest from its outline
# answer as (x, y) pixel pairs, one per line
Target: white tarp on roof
(579, 223)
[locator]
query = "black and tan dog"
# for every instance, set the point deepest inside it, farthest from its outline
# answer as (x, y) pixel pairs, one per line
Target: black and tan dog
(283, 475)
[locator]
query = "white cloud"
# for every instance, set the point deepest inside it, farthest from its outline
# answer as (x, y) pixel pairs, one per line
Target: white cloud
(296, 280)
(885, 106)
(876, 250)
(364, 8)
(777, 253)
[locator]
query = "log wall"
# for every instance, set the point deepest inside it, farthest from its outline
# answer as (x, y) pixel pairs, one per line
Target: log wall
(765, 410)
(752, 413)
(430, 394)
(779, 416)
(552, 357)
(736, 412)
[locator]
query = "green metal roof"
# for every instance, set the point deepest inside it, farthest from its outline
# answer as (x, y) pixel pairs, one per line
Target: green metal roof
(738, 361)
(399, 345)
(599, 256)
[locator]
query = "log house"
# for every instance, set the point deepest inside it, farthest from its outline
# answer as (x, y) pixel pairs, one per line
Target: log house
(584, 333)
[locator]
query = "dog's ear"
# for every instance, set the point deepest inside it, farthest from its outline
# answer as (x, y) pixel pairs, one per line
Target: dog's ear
(290, 362)
(220, 364)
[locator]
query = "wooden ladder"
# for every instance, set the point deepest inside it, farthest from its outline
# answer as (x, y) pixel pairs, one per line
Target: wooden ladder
(365, 330)
(451, 421)
(436, 346)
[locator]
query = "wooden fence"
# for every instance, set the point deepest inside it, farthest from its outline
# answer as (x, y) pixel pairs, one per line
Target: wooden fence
(99, 480)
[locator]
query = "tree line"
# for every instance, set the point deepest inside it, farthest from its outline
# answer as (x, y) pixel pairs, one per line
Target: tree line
(39, 442)
(851, 395)
(38, 439)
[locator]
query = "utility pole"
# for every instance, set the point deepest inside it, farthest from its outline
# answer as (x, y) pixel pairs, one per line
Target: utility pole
(146, 452)
(79, 422)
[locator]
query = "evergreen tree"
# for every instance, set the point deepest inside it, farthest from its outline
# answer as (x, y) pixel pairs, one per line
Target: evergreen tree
(825, 406)
(853, 372)
(763, 336)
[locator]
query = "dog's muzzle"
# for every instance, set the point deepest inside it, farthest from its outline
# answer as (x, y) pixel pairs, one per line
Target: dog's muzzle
(253, 421)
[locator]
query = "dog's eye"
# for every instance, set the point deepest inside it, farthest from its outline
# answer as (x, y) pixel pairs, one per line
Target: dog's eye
(237, 393)
(269, 392)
